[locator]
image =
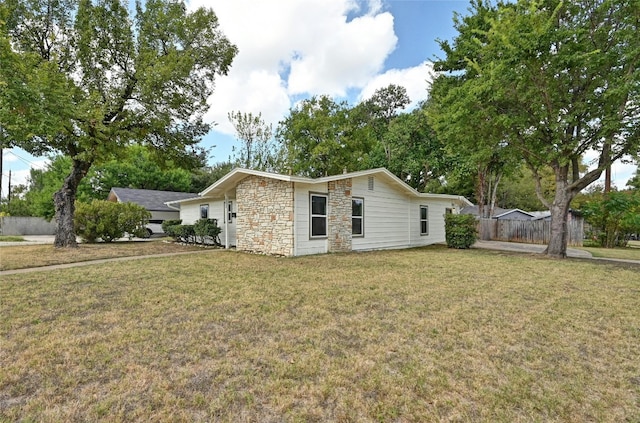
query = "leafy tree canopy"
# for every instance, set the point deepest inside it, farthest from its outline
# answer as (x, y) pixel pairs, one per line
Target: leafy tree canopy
(321, 137)
(87, 78)
(545, 81)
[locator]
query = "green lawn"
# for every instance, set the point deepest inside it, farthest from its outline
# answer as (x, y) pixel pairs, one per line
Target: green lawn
(413, 336)
(11, 238)
(631, 252)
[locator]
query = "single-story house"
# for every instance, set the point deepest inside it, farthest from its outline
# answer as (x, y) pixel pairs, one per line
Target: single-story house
(152, 200)
(292, 216)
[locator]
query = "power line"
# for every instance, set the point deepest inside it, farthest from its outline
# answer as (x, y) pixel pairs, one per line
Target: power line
(26, 161)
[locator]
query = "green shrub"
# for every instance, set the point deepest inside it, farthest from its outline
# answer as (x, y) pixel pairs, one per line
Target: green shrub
(460, 230)
(133, 219)
(207, 228)
(169, 223)
(185, 233)
(108, 221)
(170, 228)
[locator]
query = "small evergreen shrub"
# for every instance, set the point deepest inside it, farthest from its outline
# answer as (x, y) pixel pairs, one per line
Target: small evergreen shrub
(108, 221)
(206, 229)
(185, 233)
(460, 230)
(168, 223)
(170, 228)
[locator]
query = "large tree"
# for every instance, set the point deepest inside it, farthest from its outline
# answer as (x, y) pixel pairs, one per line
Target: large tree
(321, 137)
(546, 80)
(256, 136)
(87, 78)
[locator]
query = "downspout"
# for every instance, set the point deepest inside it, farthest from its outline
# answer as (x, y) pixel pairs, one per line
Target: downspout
(226, 221)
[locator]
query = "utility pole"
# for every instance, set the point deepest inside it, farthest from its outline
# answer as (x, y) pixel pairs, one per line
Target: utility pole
(9, 191)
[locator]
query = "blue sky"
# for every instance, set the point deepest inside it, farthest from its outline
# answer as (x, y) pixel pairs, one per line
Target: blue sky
(293, 49)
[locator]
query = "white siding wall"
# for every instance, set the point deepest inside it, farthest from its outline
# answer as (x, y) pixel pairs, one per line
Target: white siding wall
(303, 244)
(386, 215)
(436, 221)
(392, 218)
(190, 212)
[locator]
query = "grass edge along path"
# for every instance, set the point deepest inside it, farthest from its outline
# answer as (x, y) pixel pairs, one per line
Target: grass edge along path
(427, 334)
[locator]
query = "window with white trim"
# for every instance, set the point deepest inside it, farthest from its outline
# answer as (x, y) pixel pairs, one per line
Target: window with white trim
(204, 211)
(424, 220)
(357, 216)
(318, 215)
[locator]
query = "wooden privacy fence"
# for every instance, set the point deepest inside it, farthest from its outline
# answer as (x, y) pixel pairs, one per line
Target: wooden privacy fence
(527, 231)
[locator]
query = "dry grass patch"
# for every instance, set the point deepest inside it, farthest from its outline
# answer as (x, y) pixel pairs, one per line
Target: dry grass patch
(24, 256)
(412, 336)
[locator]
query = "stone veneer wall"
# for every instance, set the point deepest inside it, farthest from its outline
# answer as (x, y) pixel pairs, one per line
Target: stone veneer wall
(264, 221)
(339, 225)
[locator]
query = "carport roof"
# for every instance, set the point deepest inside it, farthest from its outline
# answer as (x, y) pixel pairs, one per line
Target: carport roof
(152, 200)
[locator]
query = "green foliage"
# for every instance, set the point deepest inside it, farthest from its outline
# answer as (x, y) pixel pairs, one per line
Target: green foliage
(184, 233)
(614, 217)
(460, 230)
(136, 169)
(543, 82)
(205, 176)
(634, 182)
(258, 147)
(108, 221)
(206, 229)
(87, 79)
(321, 137)
(167, 224)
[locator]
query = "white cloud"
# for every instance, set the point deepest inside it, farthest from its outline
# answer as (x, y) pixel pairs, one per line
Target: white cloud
(620, 172)
(415, 80)
(291, 48)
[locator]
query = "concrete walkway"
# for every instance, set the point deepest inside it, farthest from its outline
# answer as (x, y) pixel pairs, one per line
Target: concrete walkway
(526, 248)
(538, 249)
(49, 239)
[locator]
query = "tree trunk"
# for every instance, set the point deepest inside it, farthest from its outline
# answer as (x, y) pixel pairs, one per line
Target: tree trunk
(557, 247)
(64, 202)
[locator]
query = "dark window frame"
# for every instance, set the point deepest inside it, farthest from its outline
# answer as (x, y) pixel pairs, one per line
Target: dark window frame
(204, 211)
(424, 231)
(313, 216)
(356, 217)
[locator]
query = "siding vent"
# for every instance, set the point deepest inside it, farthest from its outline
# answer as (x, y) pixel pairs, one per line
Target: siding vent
(370, 183)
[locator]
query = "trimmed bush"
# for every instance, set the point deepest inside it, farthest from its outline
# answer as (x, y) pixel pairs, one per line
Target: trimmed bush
(170, 228)
(168, 223)
(207, 228)
(108, 221)
(185, 233)
(460, 230)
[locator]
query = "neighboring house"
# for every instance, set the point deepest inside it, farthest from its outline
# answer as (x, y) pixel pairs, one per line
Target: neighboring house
(152, 200)
(503, 214)
(514, 214)
(292, 216)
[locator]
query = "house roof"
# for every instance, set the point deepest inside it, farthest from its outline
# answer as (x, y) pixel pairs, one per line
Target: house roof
(231, 179)
(506, 212)
(152, 200)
